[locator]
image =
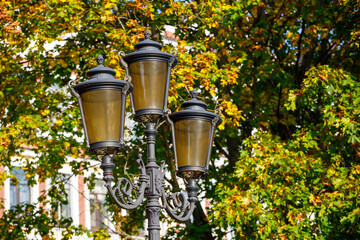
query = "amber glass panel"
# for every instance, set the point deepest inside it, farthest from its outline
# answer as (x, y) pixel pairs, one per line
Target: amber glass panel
(149, 80)
(102, 113)
(192, 139)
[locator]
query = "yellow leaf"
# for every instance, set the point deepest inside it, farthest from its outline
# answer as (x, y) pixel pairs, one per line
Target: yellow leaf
(73, 149)
(45, 112)
(180, 85)
(240, 60)
(289, 34)
(59, 122)
(66, 144)
(226, 7)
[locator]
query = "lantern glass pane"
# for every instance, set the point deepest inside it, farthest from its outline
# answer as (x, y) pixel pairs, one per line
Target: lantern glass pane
(149, 80)
(102, 113)
(192, 138)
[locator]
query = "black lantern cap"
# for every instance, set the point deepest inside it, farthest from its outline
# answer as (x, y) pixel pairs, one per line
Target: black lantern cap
(194, 109)
(148, 50)
(100, 68)
(147, 43)
(101, 77)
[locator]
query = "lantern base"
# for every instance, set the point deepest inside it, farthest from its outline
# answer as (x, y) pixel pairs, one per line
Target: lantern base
(149, 115)
(105, 147)
(192, 172)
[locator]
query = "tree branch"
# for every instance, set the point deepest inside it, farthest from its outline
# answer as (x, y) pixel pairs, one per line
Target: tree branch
(221, 149)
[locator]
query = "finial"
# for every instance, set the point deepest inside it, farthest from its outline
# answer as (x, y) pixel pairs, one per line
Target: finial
(194, 93)
(100, 59)
(147, 34)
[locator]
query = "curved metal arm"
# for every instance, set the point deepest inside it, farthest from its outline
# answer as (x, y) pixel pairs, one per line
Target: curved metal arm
(71, 84)
(121, 54)
(123, 191)
(180, 207)
(179, 203)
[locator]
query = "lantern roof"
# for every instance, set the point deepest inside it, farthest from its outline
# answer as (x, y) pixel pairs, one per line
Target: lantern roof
(149, 50)
(101, 77)
(194, 109)
(147, 44)
(194, 103)
(100, 68)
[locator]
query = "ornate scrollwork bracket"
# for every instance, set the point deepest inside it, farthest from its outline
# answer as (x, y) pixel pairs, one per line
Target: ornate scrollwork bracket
(128, 195)
(125, 194)
(178, 205)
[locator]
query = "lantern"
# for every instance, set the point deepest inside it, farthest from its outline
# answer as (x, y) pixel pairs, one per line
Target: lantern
(102, 101)
(149, 69)
(193, 132)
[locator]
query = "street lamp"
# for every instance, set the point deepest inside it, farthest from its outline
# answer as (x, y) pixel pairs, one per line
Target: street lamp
(102, 106)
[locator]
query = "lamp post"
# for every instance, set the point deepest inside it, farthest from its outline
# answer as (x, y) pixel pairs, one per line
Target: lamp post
(102, 105)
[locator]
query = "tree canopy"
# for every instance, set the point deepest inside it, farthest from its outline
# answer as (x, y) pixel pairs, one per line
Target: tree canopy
(285, 75)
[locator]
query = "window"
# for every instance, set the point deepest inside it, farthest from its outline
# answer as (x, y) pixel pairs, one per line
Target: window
(19, 188)
(98, 210)
(64, 209)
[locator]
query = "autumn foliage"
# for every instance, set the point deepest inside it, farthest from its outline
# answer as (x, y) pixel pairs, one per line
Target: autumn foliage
(284, 74)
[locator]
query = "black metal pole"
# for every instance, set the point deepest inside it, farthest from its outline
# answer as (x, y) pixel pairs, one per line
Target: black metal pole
(153, 191)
